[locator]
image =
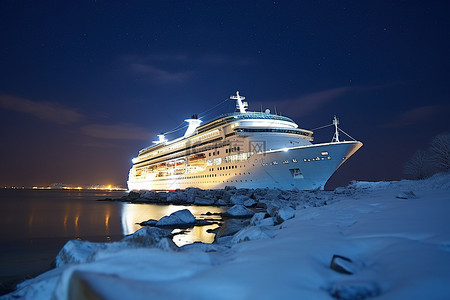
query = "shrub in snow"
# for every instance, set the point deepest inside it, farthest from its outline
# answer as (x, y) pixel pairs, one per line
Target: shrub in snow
(181, 217)
(239, 211)
(440, 151)
(418, 166)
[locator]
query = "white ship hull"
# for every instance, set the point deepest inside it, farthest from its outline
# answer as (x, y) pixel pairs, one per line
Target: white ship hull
(272, 169)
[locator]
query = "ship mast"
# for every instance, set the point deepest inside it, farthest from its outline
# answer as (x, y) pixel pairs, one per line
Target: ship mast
(336, 130)
(241, 105)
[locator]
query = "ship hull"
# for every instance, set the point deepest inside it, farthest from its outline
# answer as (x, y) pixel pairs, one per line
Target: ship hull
(305, 168)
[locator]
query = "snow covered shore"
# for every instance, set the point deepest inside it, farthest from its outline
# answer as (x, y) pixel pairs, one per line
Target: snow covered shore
(395, 235)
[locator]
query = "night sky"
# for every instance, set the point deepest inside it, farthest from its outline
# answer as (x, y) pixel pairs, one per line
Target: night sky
(85, 84)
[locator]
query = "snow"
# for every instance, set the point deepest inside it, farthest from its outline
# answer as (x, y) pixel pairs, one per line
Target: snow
(397, 248)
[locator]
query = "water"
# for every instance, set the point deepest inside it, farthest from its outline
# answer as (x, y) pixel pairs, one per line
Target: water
(35, 224)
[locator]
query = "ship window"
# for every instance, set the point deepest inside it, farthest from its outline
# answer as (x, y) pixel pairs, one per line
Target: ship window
(238, 148)
(294, 160)
(325, 153)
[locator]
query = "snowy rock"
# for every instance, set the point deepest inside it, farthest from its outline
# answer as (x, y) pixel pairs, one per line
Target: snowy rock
(203, 201)
(179, 218)
(249, 203)
(355, 290)
(272, 194)
(406, 195)
(76, 252)
(252, 233)
(238, 199)
(149, 195)
(229, 188)
(147, 237)
(257, 218)
(284, 213)
(239, 211)
(133, 195)
(342, 264)
(230, 227)
(150, 222)
(176, 196)
(221, 202)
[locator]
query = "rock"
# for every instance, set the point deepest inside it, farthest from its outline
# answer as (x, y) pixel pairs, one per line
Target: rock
(257, 218)
(177, 197)
(203, 201)
(239, 211)
(252, 233)
(149, 195)
(229, 188)
(179, 218)
(230, 227)
(284, 213)
(238, 199)
(272, 194)
(150, 222)
(76, 252)
(249, 203)
(342, 264)
(406, 195)
(133, 195)
(221, 202)
(148, 237)
(354, 290)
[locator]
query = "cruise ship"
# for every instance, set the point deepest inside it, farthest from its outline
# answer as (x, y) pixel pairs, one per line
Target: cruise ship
(244, 149)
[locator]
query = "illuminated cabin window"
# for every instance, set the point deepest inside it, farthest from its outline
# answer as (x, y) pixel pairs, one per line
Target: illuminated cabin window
(285, 161)
(294, 160)
(275, 162)
(325, 153)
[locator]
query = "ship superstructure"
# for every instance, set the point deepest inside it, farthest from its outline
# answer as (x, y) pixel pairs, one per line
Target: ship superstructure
(242, 149)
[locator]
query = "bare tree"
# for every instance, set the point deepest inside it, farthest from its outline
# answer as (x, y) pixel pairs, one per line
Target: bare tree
(417, 165)
(440, 151)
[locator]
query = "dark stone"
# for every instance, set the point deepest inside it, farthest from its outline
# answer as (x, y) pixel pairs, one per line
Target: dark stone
(341, 264)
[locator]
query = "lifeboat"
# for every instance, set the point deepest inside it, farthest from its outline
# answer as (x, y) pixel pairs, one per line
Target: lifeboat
(180, 163)
(162, 166)
(197, 159)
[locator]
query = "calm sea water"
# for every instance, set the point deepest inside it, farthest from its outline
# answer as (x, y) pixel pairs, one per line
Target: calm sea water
(35, 224)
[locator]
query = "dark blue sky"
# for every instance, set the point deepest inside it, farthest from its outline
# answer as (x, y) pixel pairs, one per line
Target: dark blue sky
(85, 84)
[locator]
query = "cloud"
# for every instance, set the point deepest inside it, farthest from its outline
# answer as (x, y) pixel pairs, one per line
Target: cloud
(176, 68)
(415, 115)
(158, 74)
(51, 112)
(122, 131)
(157, 68)
(306, 104)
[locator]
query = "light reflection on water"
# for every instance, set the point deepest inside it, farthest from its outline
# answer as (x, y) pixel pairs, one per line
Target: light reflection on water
(132, 214)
